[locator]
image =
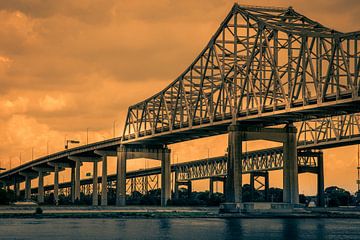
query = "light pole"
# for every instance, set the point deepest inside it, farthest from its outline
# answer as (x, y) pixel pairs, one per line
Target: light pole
(87, 136)
(71, 141)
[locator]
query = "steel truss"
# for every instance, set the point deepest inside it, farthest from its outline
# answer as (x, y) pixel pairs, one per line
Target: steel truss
(259, 161)
(263, 65)
(333, 131)
(142, 184)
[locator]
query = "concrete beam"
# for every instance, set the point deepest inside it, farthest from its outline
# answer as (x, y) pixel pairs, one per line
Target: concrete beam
(258, 133)
(43, 169)
(29, 174)
(105, 153)
(62, 165)
(84, 159)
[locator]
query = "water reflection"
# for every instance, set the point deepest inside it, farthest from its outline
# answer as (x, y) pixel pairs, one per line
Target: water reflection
(295, 229)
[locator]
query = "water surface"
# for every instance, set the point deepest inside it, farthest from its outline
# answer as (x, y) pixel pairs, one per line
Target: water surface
(180, 229)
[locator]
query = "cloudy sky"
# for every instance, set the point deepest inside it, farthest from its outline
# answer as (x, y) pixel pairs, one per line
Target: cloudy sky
(66, 66)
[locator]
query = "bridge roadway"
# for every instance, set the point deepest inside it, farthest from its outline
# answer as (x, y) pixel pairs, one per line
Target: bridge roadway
(323, 133)
(264, 66)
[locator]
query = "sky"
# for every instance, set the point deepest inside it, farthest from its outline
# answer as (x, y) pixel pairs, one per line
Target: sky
(70, 69)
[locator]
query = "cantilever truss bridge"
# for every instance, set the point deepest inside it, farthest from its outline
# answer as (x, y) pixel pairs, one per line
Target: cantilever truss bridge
(263, 66)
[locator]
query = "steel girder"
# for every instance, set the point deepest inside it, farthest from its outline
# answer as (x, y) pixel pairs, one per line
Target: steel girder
(261, 62)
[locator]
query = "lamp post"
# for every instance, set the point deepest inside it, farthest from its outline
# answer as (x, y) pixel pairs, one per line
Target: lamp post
(71, 141)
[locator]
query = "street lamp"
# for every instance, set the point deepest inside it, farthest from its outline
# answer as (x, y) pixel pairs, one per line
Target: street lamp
(71, 141)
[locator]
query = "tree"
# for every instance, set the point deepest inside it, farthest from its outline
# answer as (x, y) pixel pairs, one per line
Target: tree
(337, 196)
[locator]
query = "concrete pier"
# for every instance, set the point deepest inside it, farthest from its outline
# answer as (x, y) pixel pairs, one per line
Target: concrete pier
(121, 177)
(95, 197)
(56, 183)
(41, 187)
(16, 188)
(290, 172)
(77, 180)
(104, 183)
(27, 188)
(237, 134)
(320, 181)
(234, 166)
(72, 184)
(165, 178)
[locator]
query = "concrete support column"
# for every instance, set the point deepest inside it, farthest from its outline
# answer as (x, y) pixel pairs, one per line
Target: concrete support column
(56, 183)
(41, 187)
(320, 181)
(27, 188)
(104, 200)
(189, 188)
(121, 177)
(290, 174)
(72, 185)
(77, 180)
(95, 197)
(266, 191)
(211, 187)
(234, 165)
(165, 177)
(16, 188)
(176, 186)
(224, 186)
(252, 186)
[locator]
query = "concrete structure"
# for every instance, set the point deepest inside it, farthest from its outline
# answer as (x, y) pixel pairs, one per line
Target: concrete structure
(238, 134)
(155, 152)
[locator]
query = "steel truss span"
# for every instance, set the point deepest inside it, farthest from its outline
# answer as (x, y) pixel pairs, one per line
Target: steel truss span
(257, 161)
(263, 66)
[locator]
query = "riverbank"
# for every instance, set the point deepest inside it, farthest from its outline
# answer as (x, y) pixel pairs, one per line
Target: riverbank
(168, 212)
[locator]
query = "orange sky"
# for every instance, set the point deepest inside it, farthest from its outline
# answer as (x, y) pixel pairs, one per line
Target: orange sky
(66, 66)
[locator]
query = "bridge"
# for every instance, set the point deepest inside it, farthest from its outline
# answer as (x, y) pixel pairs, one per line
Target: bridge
(267, 73)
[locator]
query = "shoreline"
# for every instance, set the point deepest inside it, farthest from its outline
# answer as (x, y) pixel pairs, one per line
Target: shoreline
(51, 212)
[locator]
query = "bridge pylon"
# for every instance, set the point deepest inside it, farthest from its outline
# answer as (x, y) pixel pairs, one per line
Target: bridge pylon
(237, 135)
(155, 152)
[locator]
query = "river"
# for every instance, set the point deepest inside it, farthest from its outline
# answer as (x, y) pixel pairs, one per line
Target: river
(180, 228)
